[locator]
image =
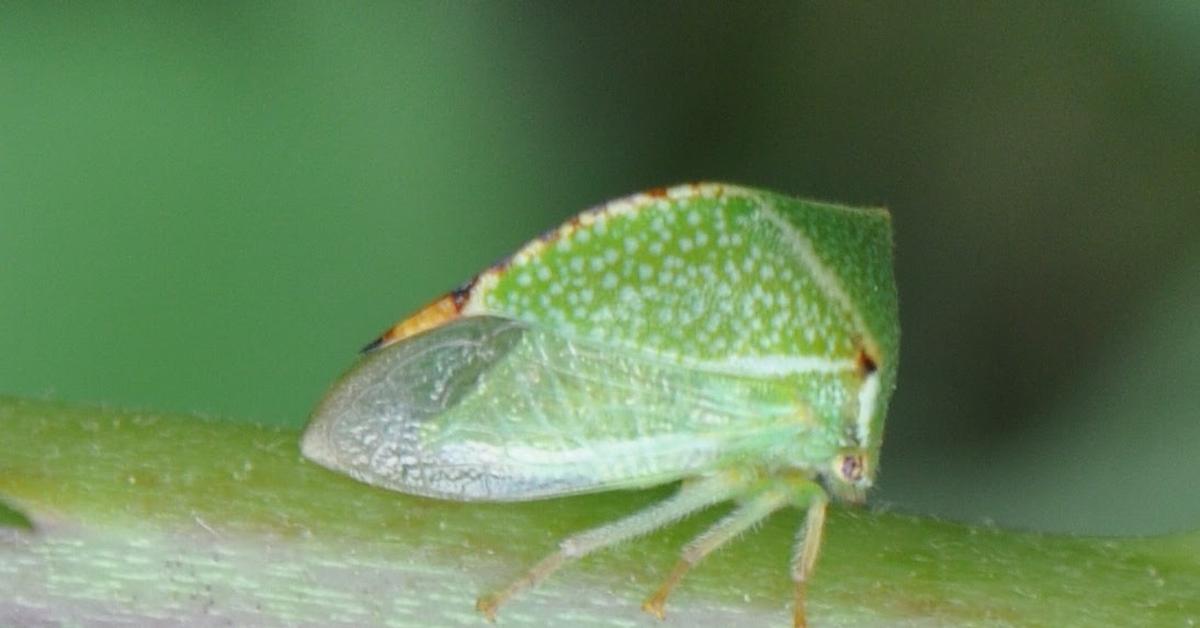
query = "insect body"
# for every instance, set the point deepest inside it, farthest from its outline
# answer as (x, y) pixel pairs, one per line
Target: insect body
(738, 340)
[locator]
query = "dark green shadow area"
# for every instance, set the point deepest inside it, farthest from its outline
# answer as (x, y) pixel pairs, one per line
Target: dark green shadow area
(12, 518)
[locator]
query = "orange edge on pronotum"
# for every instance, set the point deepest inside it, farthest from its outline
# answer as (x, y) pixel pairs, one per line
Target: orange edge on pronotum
(436, 314)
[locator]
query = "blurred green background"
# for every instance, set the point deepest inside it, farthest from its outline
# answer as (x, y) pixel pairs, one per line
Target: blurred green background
(210, 208)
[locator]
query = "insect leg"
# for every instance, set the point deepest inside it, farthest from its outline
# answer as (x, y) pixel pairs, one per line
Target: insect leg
(808, 543)
(754, 510)
(691, 497)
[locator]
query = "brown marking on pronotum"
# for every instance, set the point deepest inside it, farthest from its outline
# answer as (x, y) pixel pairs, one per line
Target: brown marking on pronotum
(499, 268)
(462, 293)
(659, 192)
(865, 364)
(550, 236)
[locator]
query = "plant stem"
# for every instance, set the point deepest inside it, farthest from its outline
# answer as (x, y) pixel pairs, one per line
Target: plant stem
(154, 519)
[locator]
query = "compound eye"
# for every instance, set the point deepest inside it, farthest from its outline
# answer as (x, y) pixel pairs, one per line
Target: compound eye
(851, 468)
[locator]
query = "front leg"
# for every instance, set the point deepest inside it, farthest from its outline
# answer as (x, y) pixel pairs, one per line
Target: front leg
(808, 544)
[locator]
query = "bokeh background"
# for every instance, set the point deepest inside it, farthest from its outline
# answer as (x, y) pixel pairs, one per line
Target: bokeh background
(210, 208)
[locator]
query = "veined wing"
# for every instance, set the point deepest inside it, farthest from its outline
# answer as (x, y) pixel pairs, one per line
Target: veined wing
(491, 408)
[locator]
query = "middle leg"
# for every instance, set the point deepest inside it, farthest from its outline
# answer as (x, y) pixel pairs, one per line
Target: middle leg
(757, 508)
(693, 496)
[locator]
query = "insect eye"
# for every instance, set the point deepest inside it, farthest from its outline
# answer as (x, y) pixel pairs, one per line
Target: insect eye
(851, 468)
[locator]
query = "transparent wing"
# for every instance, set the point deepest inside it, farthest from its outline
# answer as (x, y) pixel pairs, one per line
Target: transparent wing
(490, 408)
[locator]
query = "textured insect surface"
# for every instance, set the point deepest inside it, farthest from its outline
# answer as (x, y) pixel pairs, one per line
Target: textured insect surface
(739, 340)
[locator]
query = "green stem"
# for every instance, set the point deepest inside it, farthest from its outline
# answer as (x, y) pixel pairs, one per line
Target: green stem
(148, 518)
